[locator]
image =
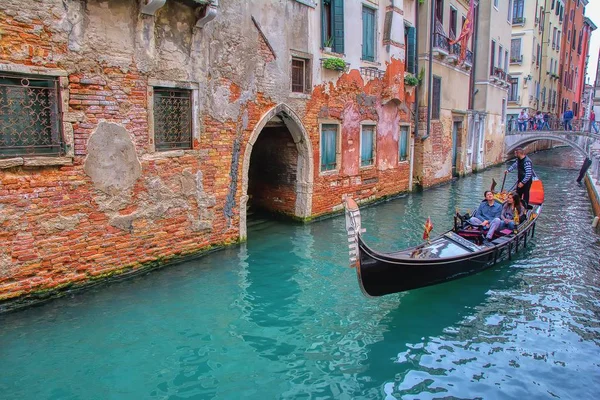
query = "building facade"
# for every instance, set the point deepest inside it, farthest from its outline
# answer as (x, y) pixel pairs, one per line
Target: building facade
(137, 133)
(526, 68)
(491, 79)
(571, 75)
(441, 149)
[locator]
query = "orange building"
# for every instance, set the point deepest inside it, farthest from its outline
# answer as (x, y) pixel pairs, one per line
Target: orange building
(575, 44)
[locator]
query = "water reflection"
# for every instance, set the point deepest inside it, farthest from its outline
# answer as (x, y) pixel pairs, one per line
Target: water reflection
(282, 317)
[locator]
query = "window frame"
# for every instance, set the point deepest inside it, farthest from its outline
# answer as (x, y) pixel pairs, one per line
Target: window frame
(373, 125)
(338, 153)
(364, 56)
(66, 118)
(436, 108)
(408, 136)
(307, 59)
(192, 87)
(518, 58)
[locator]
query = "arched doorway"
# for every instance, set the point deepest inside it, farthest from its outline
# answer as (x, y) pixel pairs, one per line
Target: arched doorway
(277, 172)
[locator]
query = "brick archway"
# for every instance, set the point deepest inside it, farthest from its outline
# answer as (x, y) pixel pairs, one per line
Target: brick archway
(304, 175)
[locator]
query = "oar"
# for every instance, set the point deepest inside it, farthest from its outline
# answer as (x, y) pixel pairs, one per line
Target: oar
(503, 180)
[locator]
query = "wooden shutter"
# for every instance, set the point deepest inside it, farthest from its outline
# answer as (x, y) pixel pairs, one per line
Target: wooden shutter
(368, 45)
(411, 50)
(337, 13)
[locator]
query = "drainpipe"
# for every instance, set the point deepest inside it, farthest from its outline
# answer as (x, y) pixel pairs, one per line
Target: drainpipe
(474, 50)
(209, 12)
(416, 63)
(430, 77)
(151, 6)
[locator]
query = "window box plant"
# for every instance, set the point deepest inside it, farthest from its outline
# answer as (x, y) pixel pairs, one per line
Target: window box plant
(334, 63)
(410, 79)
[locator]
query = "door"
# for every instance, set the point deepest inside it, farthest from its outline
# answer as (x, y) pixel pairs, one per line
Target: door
(455, 139)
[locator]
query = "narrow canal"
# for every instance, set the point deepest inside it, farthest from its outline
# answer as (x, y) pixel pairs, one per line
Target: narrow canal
(282, 317)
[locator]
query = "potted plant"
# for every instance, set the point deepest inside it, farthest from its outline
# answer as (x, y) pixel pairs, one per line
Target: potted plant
(328, 43)
(334, 63)
(410, 79)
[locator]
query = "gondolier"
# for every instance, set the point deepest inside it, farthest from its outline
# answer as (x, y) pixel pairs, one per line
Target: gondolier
(525, 173)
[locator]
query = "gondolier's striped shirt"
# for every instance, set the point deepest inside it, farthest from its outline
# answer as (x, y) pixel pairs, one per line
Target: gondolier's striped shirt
(528, 165)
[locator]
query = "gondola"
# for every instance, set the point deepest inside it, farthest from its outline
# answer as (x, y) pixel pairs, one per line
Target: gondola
(457, 253)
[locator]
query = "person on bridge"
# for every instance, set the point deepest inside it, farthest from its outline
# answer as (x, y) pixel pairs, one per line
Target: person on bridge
(525, 173)
(522, 120)
(593, 122)
(546, 125)
(539, 121)
(568, 117)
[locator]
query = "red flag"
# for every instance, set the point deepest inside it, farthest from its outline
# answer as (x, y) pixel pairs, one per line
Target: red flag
(428, 228)
(466, 32)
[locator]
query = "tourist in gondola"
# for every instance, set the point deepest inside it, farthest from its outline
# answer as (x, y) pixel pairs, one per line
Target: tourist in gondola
(525, 173)
(513, 213)
(488, 212)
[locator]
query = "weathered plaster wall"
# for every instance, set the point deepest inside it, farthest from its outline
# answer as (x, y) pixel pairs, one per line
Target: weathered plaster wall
(117, 205)
(351, 101)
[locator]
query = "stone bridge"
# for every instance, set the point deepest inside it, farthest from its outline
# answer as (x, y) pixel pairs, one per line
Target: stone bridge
(581, 138)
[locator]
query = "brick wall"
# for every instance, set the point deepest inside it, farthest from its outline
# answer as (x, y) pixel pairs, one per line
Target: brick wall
(60, 227)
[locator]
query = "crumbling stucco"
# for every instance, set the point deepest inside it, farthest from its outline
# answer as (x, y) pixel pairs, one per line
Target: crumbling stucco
(112, 162)
(61, 223)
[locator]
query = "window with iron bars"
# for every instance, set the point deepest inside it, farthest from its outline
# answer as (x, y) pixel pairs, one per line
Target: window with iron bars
(30, 116)
(172, 119)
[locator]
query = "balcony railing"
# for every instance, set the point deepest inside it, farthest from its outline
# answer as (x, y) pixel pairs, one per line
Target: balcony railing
(469, 57)
(441, 42)
(455, 49)
(499, 73)
(518, 20)
(514, 99)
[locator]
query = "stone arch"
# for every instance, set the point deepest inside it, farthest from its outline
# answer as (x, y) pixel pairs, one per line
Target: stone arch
(566, 141)
(304, 176)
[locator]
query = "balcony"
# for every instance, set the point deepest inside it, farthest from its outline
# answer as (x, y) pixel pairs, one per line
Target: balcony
(441, 45)
(516, 59)
(518, 21)
(454, 51)
(372, 72)
(499, 74)
(469, 59)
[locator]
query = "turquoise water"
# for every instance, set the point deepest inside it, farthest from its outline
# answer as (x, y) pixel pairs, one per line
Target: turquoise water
(282, 317)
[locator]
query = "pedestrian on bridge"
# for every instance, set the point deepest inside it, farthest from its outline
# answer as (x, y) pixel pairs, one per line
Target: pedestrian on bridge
(593, 122)
(525, 173)
(568, 117)
(522, 119)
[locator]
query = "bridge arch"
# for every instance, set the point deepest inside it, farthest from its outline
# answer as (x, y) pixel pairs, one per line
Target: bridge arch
(528, 140)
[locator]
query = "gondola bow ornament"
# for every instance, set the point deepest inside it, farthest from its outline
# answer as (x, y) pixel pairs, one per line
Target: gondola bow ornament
(427, 229)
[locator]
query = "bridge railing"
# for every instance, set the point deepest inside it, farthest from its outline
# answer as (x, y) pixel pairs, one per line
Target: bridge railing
(513, 126)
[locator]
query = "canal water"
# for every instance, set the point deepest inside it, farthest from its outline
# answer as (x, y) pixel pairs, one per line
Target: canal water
(282, 317)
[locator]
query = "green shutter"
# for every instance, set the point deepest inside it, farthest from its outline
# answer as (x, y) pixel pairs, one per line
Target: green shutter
(328, 147)
(337, 15)
(403, 144)
(368, 45)
(411, 50)
(366, 145)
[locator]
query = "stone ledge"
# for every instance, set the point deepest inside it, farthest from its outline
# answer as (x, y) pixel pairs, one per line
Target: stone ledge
(169, 154)
(47, 161)
(35, 162)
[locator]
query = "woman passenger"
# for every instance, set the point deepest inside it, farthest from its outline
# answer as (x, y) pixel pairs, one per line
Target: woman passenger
(513, 213)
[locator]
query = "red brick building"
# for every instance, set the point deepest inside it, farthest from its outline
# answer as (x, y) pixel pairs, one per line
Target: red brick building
(132, 135)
